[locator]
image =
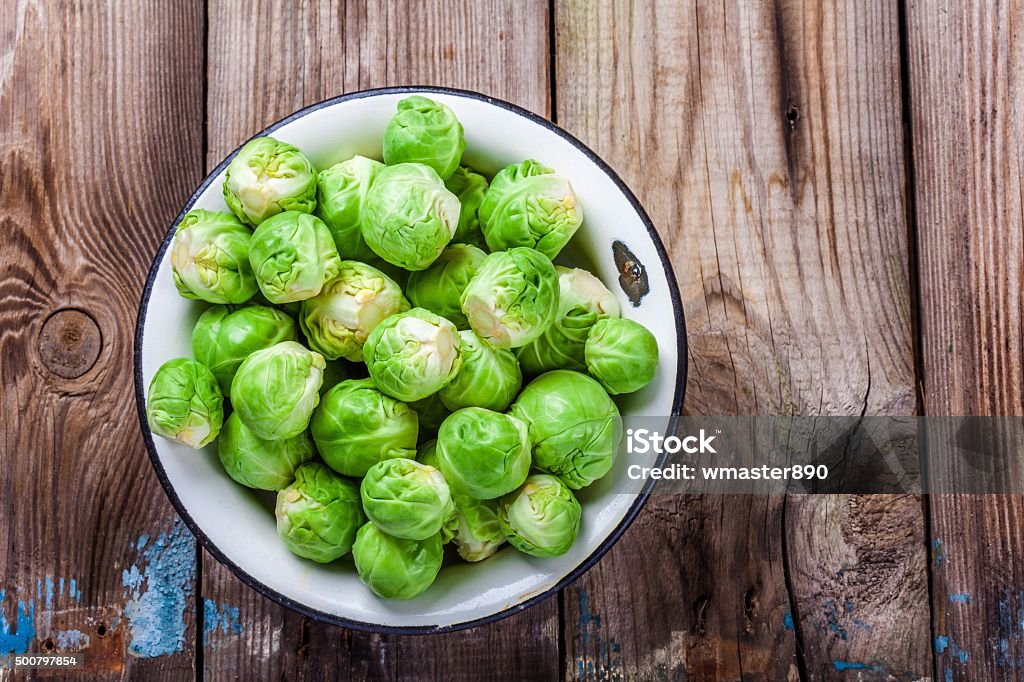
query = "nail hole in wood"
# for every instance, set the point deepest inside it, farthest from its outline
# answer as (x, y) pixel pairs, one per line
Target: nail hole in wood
(47, 644)
(69, 343)
(101, 631)
(793, 114)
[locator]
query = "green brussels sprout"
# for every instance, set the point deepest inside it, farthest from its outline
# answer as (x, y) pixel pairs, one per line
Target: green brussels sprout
(477, 532)
(276, 389)
(527, 204)
(439, 288)
(259, 463)
(622, 355)
(184, 403)
(409, 215)
(395, 568)
(341, 194)
(319, 514)
(470, 187)
(210, 258)
(573, 424)
(482, 453)
(512, 298)
(432, 413)
(412, 355)
(267, 177)
(224, 337)
(489, 377)
(406, 499)
(542, 518)
(337, 321)
(357, 426)
(427, 132)
(582, 301)
(293, 254)
(427, 454)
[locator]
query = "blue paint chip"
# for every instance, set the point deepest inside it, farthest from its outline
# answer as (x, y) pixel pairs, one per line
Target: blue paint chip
(848, 665)
(961, 598)
(72, 640)
(17, 638)
(601, 658)
(159, 592)
(787, 621)
(220, 618)
(941, 643)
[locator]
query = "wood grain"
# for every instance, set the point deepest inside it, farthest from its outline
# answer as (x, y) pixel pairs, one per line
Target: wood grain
(765, 139)
(965, 96)
(100, 144)
(267, 59)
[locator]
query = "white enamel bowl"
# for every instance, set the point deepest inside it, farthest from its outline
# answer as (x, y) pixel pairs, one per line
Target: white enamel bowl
(237, 525)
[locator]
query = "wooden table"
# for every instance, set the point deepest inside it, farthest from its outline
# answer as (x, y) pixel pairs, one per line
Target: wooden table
(838, 185)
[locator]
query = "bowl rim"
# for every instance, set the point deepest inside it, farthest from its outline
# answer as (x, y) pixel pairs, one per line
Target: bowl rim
(332, 619)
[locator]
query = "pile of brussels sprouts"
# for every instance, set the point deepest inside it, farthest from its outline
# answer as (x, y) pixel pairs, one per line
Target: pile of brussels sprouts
(371, 325)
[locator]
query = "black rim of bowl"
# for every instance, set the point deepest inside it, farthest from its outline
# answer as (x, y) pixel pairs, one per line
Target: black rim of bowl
(610, 539)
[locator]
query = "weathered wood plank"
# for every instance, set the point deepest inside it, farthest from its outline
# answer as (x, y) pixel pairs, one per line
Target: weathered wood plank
(267, 59)
(100, 143)
(965, 97)
(765, 139)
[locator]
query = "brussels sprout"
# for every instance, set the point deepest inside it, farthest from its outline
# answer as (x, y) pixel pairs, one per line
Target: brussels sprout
(266, 177)
(337, 321)
(395, 568)
(582, 301)
(542, 518)
(469, 187)
(573, 424)
(276, 389)
(293, 254)
(406, 499)
(512, 298)
(357, 426)
(622, 355)
(527, 204)
(482, 453)
(413, 354)
(319, 514)
(341, 193)
(409, 216)
(259, 463)
(224, 337)
(439, 288)
(184, 404)
(210, 258)
(432, 413)
(477, 533)
(489, 377)
(427, 454)
(427, 132)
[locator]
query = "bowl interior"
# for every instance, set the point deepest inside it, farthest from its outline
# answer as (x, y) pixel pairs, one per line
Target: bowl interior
(237, 525)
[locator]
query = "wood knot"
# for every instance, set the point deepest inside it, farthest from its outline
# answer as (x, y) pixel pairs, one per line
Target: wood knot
(70, 343)
(793, 114)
